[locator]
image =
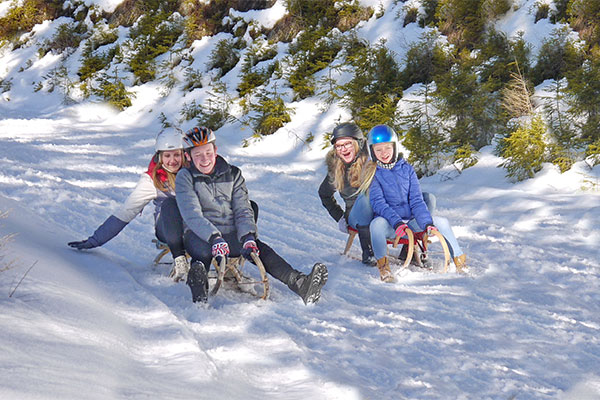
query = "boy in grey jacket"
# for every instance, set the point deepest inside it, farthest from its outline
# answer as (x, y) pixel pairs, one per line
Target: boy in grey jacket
(213, 200)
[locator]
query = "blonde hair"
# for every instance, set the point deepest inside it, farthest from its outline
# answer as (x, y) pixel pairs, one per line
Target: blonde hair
(354, 172)
(367, 176)
(170, 183)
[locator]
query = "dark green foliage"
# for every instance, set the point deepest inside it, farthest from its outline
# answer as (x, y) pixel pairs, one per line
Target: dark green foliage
(193, 80)
(155, 33)
(465, 157)
(225, 55)
(542, 12)
(254, 77)
(305, 63)
(376, 79)
(559, 13)
(493, 9)
(424, 60)
(22, 17)
(583, 89)
(271, 113)
(215, 110)
(113, 91)
(524, 150)
(383, 112)
(66, 39)
(592, 153)
(462, 99)
(424, 137)
(585, 19)
(93, 61)
(498, 55)
(462, 22)
(411, 15)
(313, 13)
(429, 17)
(556, 55)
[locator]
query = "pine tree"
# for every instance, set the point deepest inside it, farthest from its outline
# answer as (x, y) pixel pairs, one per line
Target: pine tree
(583, 89)
(524, 150)
(424, 136)
(376, 78)
(471, 110)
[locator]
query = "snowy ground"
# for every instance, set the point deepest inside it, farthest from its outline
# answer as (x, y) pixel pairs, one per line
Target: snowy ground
(523, 323)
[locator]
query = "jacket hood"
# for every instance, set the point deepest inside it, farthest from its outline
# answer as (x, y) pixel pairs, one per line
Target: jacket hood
(161, 173)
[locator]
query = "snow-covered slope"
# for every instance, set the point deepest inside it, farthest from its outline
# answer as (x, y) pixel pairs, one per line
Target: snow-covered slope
(523, 322)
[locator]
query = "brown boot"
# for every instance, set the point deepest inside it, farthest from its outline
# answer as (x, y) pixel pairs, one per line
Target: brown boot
(460, 262)
(384, 269)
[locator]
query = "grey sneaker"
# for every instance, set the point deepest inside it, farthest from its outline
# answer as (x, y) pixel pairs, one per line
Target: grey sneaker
(181, 267)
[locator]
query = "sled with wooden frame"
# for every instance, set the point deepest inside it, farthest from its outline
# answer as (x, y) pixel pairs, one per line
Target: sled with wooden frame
(418, 248)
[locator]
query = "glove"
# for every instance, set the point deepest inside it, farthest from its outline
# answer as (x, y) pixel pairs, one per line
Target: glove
(220, 248)
(401, 230)
(248, 248)
(82, 245)
(343, 225)
(431, 229)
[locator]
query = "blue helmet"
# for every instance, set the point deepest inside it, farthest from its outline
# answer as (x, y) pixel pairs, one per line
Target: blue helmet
(383, 134)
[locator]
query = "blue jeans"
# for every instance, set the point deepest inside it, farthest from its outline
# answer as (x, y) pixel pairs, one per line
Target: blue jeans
(381, 230)
(362, 213)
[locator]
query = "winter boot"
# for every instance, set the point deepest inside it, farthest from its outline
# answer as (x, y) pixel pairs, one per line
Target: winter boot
(364, 235)
(460, 262)
(384, 269)
(309, 286)
(197, 280)
(181, 266)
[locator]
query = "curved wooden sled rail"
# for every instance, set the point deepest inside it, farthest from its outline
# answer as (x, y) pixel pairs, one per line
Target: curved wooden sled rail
(234, 266)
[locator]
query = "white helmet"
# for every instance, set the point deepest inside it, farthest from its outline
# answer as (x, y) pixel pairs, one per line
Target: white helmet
(169, 139)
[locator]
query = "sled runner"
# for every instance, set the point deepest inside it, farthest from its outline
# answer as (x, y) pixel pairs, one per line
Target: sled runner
(164, 250)
(254, 282)
(424, 252)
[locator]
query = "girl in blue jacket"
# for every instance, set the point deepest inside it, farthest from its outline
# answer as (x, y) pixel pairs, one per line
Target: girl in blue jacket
(397, 200)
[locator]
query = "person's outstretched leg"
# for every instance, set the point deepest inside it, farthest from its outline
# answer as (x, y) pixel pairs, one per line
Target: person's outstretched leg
(308, 287)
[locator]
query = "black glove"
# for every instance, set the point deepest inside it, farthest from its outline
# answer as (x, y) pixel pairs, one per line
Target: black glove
(249, 247)
(83, 244)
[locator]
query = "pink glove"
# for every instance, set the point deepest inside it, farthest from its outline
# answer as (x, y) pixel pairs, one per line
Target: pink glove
(431, 230)
(401, 230)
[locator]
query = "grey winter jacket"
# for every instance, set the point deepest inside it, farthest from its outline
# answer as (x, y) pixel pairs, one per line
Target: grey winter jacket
(214, 204)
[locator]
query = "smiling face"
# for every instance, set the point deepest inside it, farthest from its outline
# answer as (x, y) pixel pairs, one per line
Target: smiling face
(171, 160)
(384, 152)
(204, 157)
(345, 149)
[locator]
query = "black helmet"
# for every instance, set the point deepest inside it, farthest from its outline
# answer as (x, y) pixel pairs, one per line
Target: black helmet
(347, 129)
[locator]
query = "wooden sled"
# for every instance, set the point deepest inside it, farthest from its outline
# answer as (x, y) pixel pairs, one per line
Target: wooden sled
(256, 283)
(164, 250)
(418, 248)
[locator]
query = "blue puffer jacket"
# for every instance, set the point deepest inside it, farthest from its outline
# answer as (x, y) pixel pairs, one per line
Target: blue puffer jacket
(396, 195)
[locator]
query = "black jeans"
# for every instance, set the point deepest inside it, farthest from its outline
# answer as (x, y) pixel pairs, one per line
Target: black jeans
(169, 227)
(275, 265)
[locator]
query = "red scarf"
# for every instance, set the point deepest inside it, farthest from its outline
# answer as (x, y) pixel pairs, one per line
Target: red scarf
(160, 173)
